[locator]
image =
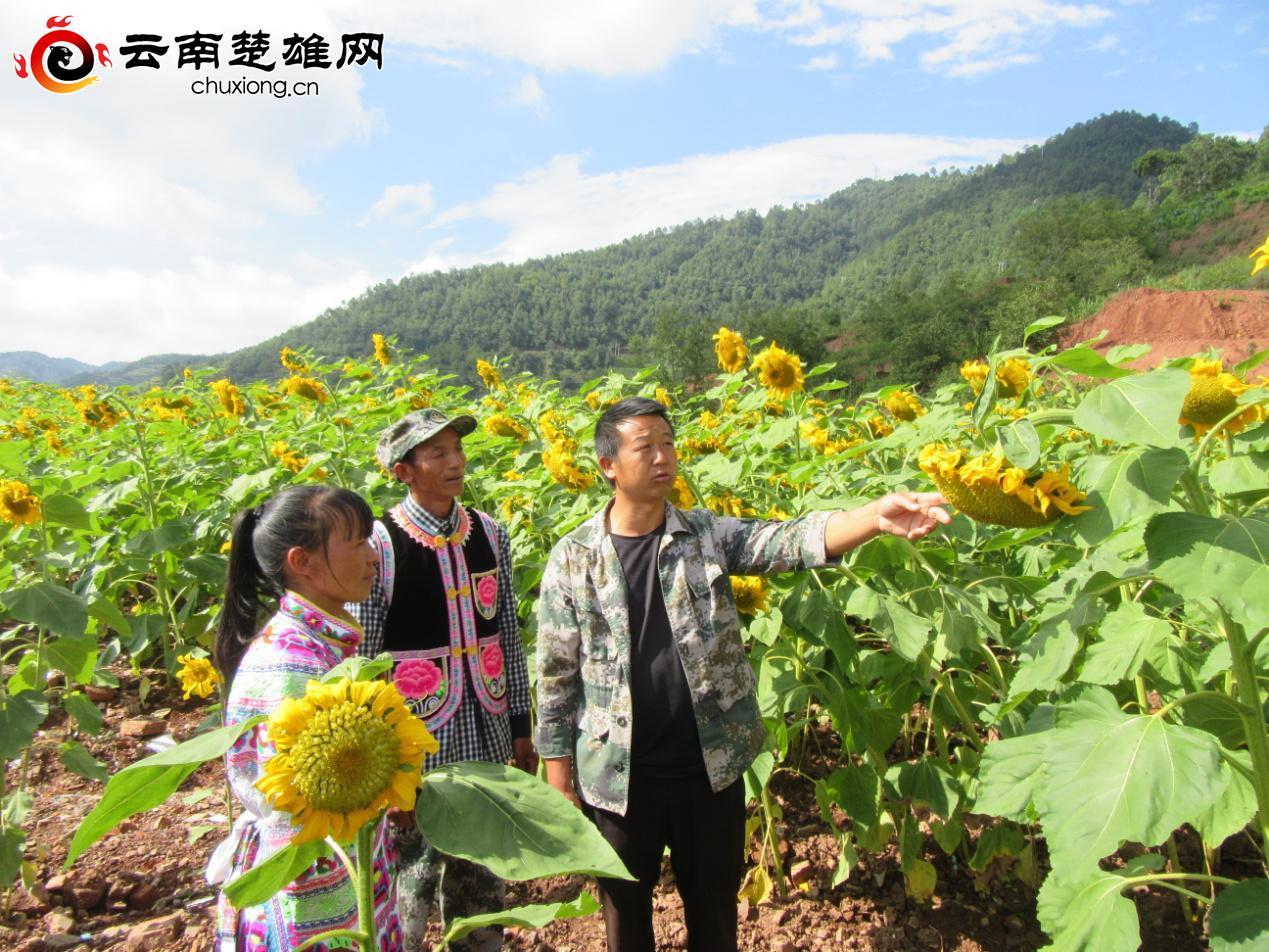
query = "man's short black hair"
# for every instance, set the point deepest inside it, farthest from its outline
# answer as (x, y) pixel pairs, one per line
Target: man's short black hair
(607, 439)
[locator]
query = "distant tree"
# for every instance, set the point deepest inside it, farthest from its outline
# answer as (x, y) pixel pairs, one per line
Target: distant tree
(1150, 168)
(1207, 163)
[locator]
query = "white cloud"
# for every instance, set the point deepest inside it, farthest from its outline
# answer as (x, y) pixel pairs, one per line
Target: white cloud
(1205, 13)
(592, 210)
(1105, 43)
(201, 306)
(528, 92)
(820, 63)
(402, 202)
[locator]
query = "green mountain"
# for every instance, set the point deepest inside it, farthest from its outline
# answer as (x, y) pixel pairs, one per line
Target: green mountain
(799, 273)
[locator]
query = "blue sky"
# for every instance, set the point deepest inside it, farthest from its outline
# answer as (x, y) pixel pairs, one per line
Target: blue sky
(137, 217)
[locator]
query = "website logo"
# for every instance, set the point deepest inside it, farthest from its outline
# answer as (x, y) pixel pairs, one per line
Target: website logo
(62, 61)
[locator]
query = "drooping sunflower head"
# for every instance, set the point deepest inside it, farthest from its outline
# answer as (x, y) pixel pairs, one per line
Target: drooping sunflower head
(750, 592)
(662, 396)
(1012, 377)
(988, 489)
(779, 371)
(500, 424)
(975, 373)
(681, 495)
(18, 505)
(1212, 396)
(559, 462)
(1261, 255)
(904, 405)
(345, 751)
(731, 350)
(306, 387)
(488, 374)
(230, 397)
(292, 361)
(197, 676)
(383, 354)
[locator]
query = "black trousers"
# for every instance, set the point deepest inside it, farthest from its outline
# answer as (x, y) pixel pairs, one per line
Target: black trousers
(705, 832)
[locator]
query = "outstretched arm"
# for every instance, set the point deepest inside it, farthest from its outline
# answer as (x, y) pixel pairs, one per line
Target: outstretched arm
(909, 515)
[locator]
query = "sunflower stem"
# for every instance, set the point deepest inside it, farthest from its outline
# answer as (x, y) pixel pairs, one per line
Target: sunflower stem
(366, 885)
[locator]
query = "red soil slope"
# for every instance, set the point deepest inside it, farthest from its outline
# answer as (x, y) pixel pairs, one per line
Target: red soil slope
(1179, 324)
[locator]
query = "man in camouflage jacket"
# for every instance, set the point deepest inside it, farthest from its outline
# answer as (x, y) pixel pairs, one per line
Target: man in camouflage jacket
(641, 558)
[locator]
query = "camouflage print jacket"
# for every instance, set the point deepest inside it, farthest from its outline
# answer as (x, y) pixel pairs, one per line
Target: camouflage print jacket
(583, 643)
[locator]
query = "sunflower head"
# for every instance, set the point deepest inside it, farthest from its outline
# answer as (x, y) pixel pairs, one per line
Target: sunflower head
(904, 405)
(306, 387)
(382, 353)
(345, 752)
(197, 676)
(750, 592)
(500, 424)
(779, 371)
(730, 349)
(1012, 377)
(681, 495)
(292, 361)
(987, 489)
(1212, 396)
(975, 374)
(1261, 255)
(230, 397)
(18, 505)
(488, 374)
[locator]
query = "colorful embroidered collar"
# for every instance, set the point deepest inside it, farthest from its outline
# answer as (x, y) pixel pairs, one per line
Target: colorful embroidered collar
(345, 634)
(425, 529)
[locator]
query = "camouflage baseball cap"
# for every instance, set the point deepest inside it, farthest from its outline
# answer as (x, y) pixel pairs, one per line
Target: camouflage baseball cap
(418, 427)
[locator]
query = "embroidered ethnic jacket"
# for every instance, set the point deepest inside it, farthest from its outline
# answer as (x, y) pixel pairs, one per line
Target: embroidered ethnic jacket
(583, 642)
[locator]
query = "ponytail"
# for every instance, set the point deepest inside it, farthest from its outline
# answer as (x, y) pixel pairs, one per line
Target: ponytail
(241, 609)
(303, 516)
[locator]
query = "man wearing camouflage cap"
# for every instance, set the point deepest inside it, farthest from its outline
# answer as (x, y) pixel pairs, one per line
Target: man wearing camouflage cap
(445, 607)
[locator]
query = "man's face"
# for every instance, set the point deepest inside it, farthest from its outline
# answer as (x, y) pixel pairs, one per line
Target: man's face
(434, 471)
(645, 465)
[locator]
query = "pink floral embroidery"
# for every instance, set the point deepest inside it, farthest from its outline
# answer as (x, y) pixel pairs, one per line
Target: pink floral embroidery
(487, 591)
(491, 661)
(312, 619)
(417, 678)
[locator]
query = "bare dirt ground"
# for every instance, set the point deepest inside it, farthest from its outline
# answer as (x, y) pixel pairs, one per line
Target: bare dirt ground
(1179, 324)
(142, 887)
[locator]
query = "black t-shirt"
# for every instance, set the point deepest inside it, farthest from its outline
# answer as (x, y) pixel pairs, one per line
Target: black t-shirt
(664, 742)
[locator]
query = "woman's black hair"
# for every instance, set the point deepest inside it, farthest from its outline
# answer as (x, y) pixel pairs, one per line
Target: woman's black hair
(304, 516)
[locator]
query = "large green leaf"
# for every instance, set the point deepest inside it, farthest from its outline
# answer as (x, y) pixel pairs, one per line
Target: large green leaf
(1125, 639)
(1138, 410)
(928, 784)
(74, 657)
(66, 511)
(1233, 809)
(1111, 777)
(1127, 486)
(1047, 655)
(1084, 360)
(1091, 914)
(170, 536)
(907, 632)
(857, 790)
(511, 822)
(1021, 443)
(526, 917)
(1010, 776)
(1241, 475)
(49, 606)
(1224, 559)
(1240, 918)
(87, 715)
(12, 837)
(279, 870)
(20, 716)
(147, 783)
(78, 760)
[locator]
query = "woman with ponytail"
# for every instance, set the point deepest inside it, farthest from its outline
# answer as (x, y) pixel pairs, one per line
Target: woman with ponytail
(302, 555)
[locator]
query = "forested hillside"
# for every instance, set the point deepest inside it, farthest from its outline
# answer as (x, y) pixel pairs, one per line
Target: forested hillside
(802, 273)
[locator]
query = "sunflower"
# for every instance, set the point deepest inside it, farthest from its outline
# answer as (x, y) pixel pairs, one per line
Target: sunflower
(502, 425)
(681, 494)
(728, 504)
(488, 374)
(292, 361)
(97, 414)
(197, 676)
(1212, 396)
(662, 396)
(345, 752)
(750, 592)
(18, 505)
(987, 489)
(730, 349)
(288, 457)
(975, 374)
(709, 420)
(1261, 255)
(564, 470)
(382, 353)
(1012, 377)
(305, 387)
(230, 397)
(878, 426)
(779, 371)
(903, 405)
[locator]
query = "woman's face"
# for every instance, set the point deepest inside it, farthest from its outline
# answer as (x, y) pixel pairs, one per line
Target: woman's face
(344, 573)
